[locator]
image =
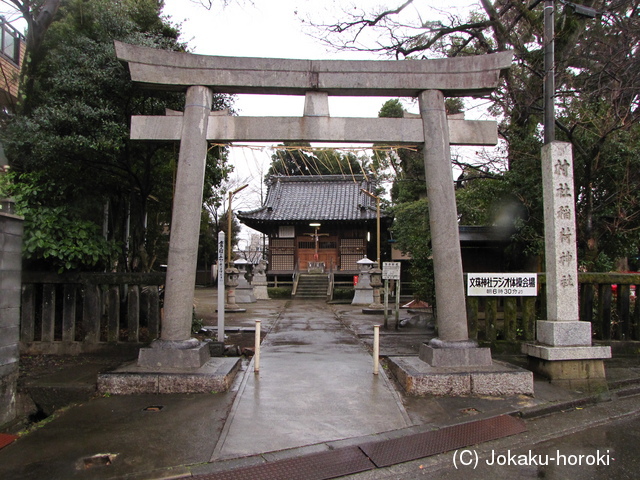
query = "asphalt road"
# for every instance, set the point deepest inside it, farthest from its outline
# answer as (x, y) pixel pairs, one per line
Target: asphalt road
(599, 442)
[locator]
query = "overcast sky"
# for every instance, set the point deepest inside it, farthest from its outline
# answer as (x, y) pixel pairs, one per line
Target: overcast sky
(275, 28)
(268, 28)
(265, 28)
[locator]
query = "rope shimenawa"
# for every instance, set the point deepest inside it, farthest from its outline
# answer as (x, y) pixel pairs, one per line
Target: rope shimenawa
(311, 159)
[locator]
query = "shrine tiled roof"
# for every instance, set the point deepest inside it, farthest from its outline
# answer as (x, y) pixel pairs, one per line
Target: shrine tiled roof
(314, 198)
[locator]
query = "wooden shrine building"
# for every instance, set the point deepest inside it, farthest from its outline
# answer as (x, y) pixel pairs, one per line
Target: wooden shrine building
(317, 219)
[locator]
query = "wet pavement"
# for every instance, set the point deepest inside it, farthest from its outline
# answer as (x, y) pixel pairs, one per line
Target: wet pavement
(595, 443)
(314, 379)
(315, 392)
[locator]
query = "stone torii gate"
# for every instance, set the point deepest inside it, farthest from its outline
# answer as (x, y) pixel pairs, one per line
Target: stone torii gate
(428, 80)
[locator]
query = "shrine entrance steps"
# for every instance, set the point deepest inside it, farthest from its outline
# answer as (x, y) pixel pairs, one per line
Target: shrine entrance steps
(312, 286)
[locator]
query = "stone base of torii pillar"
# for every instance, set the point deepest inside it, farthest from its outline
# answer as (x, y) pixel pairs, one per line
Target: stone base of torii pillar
(459, 369)
(451, 364)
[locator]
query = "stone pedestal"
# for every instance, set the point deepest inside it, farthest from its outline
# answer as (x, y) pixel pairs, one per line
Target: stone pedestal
(459, 369)
(216, 375)
(244, 290)
(578, 367)
(464, 354)
(260, 286)
(581, 374)
(363, 292)
(497, 379)
(245, 295)
(166, 354)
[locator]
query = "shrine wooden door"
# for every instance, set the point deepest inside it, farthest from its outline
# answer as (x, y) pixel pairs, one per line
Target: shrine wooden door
(327, 251)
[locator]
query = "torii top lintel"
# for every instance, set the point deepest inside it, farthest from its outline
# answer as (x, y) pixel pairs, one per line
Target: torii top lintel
(455, 77)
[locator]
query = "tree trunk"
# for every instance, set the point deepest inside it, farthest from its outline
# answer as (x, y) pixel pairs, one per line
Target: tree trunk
(38, 22)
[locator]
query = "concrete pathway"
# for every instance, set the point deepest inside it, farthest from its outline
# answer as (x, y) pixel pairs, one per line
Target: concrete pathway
(315, 384)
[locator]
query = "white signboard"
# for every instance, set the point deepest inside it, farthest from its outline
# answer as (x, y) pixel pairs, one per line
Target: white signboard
(221, 251)
(502, 284)
(221, 292)
(391, 270)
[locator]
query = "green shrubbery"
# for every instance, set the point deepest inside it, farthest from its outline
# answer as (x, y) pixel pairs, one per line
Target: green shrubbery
(279, 292)
(343, 293)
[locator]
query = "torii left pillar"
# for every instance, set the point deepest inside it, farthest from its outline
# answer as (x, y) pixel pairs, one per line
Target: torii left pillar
(176, 348)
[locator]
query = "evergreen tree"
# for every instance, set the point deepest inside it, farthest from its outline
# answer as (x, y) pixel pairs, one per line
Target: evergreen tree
(72, 161)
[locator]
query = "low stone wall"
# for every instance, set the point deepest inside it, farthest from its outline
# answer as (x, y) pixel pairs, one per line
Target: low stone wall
(11, 228)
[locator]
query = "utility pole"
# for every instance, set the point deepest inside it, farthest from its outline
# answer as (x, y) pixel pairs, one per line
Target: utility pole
(549, 73)
(549, 62)
(377, 199)
(229, 213)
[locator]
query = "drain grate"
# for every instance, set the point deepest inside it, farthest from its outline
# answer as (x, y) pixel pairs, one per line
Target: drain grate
(317, 466)
(351, 460)
(412, 447)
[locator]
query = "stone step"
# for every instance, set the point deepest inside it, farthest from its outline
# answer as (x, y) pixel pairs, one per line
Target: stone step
(312, 286)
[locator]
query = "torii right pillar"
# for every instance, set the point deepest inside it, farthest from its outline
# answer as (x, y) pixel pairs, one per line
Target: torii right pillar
(451, 363)
(452, 347)
(564, 352)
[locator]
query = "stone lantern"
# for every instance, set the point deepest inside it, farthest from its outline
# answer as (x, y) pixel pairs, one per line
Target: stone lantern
(231, 282)
(363, 292)
(376, 285)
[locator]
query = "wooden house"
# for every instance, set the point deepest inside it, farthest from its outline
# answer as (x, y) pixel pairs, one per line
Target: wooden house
(12, 51)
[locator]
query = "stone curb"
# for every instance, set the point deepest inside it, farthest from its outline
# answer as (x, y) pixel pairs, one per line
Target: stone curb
(622, 389)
